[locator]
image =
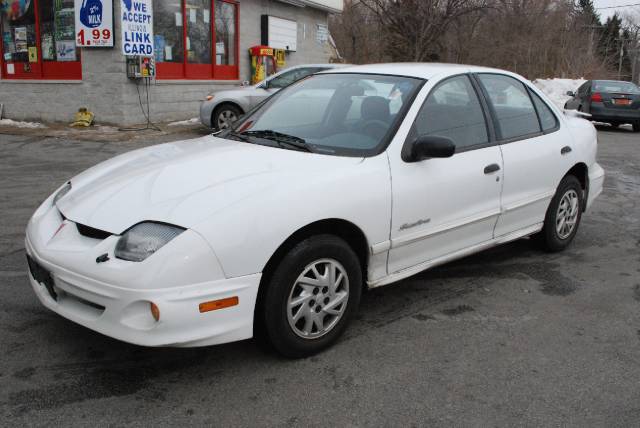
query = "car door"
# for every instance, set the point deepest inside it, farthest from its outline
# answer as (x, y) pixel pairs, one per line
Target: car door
(536, 151)
(443, 206)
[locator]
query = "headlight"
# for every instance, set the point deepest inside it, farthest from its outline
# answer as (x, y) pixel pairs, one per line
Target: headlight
(65, 189)
(144, 239)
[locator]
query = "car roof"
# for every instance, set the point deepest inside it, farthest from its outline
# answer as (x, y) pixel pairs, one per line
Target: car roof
(416, 69)
(331, 65)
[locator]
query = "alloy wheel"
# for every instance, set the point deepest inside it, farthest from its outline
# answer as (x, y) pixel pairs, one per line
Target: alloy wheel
(567, 214)
(318, 299)
(226, 118)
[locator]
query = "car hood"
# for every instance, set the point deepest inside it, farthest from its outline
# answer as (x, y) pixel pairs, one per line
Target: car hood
(241, 91)
(184, 182)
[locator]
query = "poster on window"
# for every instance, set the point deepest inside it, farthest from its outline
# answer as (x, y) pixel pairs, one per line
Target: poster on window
(66, 50)
(14, 9)
(137, 27)
(94, 23)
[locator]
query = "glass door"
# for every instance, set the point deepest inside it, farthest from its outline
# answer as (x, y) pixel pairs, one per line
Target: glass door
(226, 47)
(20, 40)
(198, 39)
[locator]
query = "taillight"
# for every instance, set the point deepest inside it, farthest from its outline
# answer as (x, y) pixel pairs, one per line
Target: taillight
(596, 97)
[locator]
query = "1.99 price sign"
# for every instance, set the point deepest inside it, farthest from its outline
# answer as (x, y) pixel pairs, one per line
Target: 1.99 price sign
(94, 23)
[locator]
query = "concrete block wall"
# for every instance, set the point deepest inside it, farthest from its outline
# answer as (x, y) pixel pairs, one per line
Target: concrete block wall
(107, 92)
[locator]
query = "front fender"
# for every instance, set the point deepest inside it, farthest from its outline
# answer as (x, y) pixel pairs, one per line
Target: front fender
(246, 234)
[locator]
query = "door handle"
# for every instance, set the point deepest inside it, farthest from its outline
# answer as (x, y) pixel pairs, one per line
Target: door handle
(491, 168)
(565, 150)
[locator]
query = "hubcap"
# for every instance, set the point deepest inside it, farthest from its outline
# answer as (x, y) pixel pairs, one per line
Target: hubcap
(226, 118)
(318, 299)
(567, 214)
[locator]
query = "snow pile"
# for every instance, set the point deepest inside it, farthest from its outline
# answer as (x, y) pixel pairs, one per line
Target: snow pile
(192, 121)
(19, 124)
(556, 89)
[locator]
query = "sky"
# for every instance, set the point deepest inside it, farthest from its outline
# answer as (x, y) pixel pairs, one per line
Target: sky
(604, 13)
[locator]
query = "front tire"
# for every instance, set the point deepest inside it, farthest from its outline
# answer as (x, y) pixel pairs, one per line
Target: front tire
(636, 126)
(563, 216)
(311, 296)
(224, 116)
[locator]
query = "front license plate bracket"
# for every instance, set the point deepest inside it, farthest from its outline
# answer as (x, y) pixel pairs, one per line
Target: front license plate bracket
(42, 276)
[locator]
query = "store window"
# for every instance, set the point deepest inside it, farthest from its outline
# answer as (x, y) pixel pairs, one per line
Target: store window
(196, 39)
(38, 40)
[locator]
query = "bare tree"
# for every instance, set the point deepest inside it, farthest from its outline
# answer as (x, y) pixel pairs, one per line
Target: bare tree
(536, 38)
(413, 29)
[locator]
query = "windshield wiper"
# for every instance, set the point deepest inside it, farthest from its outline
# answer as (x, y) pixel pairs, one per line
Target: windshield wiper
(239, 136)
(280, 138)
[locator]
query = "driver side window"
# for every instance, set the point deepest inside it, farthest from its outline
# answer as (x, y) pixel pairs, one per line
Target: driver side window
(452, 110)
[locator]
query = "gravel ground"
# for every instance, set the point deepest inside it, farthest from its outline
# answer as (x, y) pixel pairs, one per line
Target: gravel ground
(512, 336)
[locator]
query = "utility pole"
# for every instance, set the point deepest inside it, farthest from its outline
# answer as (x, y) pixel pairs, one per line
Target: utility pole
(620, 62)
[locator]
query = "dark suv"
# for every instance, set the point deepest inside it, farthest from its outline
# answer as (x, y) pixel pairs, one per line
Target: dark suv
(609, 101)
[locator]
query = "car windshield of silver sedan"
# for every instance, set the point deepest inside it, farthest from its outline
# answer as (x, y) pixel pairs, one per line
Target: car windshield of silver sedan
(335, 114)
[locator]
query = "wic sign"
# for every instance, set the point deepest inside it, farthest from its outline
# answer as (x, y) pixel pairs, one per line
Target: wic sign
(136, 21)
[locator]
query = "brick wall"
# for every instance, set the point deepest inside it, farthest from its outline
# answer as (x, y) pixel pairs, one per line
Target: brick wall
(107, 92)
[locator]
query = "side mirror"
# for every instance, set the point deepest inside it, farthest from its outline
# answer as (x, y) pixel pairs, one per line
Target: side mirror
(429, 146)
(571, 93)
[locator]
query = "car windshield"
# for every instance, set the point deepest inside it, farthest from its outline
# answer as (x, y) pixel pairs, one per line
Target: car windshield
(338, 114)
(616, 87)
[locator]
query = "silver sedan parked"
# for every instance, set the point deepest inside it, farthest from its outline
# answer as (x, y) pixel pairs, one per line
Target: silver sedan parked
(222, 108)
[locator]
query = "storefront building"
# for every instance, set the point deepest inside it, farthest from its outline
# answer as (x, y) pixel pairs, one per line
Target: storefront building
(199, 46)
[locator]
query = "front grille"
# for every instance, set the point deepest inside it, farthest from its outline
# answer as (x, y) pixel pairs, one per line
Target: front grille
(91, 232)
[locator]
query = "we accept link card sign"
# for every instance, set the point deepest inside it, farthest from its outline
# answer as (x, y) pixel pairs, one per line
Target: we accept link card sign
(137, 27)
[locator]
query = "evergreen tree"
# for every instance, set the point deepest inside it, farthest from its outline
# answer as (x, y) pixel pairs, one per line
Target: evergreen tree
(587, 10)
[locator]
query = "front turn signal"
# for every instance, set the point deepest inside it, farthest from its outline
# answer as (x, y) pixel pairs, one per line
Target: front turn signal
(214, 305)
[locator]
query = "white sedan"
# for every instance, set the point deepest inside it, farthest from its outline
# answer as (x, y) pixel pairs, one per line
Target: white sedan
(349, 179)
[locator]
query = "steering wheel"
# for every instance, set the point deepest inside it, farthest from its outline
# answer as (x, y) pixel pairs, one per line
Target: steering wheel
(374, 128)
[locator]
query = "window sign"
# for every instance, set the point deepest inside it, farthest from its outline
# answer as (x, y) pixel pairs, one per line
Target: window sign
(322, 33)
(94, 23)
(137, 27)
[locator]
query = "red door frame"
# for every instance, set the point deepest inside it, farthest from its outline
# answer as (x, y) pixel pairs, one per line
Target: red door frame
(54, 70)
(193, 71)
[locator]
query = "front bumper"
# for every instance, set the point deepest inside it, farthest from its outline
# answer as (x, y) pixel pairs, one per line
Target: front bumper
(114, 297)
(206, 111)
(125, 314)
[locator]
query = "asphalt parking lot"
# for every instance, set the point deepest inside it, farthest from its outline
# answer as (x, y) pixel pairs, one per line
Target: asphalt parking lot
(512, 336)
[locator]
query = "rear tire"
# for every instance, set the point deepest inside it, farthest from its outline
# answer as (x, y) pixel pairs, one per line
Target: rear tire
(224, 115)
(311, 296)
(563, 216)
(636, 126)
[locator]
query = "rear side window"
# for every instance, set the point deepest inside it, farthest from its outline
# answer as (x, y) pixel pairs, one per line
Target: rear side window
(512, 106)
(547, 118)
(452, 110)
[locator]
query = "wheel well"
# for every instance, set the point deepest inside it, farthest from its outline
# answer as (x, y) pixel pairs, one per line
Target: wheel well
(346, 230)
(581, 172)
(340, 228)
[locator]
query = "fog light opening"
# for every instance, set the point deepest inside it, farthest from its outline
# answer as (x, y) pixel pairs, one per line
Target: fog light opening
(155, 311)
